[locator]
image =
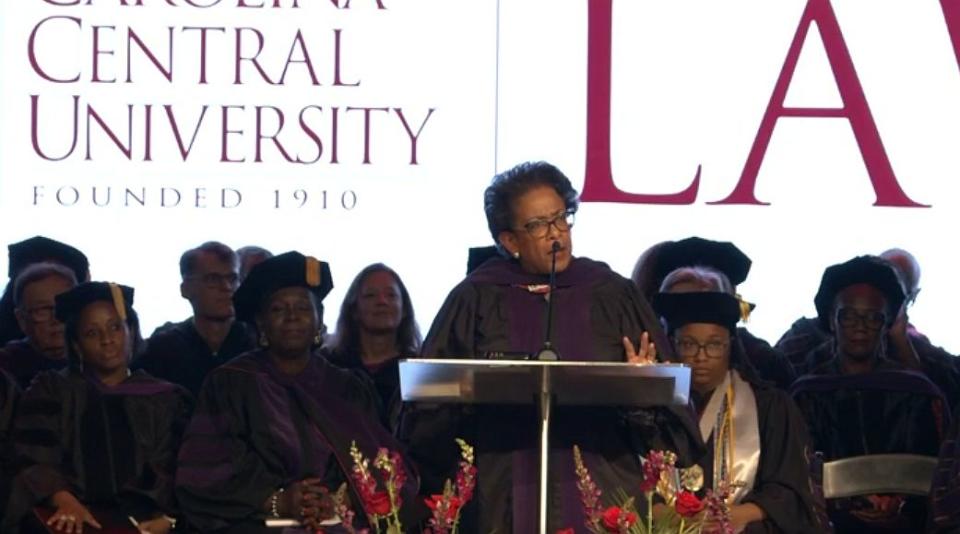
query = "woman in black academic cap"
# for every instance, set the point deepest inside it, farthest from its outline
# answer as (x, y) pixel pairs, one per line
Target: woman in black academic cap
(676, 266)
(96, 445)
(754, 433)
(273, 427)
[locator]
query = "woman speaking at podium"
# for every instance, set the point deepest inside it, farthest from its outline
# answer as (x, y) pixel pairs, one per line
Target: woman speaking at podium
(499, 311)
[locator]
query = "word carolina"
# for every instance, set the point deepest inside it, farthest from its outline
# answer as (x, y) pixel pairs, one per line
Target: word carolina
(203, 4)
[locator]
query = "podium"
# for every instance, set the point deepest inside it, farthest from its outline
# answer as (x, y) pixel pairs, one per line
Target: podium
(546, 384)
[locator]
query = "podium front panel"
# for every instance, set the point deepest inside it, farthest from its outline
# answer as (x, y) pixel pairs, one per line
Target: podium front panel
(573, 383)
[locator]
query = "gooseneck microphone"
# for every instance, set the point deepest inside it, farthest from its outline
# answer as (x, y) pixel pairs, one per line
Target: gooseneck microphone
(547, 352)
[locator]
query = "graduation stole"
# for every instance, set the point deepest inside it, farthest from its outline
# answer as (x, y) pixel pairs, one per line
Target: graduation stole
(731, 418)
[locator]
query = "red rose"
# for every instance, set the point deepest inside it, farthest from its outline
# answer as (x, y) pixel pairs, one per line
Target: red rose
(454, 505)
(378, 503)
(612, 517)
(688, 505)
(565, 531)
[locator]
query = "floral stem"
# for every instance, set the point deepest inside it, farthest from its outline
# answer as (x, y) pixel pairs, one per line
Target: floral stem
(649, 512)
(681, 525)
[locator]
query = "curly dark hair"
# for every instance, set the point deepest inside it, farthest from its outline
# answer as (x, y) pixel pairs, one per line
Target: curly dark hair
(509, 185)
(347, 338)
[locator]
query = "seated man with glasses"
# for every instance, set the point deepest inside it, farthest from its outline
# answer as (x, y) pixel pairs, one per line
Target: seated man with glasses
(859, 400)
(43, 347)
(184, 352)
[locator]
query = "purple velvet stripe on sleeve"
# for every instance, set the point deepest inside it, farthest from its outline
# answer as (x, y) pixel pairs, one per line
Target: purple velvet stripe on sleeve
(276, 410)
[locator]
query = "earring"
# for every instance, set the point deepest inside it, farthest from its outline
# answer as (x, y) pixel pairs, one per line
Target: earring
(262, 340)
(318, 339)
(516, 255)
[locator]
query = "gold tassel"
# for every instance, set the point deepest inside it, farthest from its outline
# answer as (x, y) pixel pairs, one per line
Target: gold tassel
(118, 301)
(745, 308)
(313, 272)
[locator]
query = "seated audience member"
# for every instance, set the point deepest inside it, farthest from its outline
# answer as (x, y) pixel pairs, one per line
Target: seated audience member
(249, 256)
(21, 255)
(95, 444)
(9, 394)
(754, 433)
(184, 353)
(733, 265)
(940, 366)
(857, 401)
(43, 348)
(905, 343)
(375, 330)
(274, 426)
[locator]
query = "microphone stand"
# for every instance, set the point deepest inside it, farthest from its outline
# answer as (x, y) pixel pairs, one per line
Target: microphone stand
(545, 401)
(547, 352)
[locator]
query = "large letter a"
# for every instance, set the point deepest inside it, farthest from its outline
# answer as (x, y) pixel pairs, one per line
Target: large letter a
(855, 109)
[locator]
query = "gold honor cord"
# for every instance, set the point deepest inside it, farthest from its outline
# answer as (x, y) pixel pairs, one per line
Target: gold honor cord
(724, 438)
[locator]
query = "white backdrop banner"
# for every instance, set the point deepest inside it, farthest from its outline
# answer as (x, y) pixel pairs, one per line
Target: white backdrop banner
(806, 131)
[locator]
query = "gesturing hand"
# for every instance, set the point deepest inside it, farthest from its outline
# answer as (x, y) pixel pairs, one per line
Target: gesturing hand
(646, 354)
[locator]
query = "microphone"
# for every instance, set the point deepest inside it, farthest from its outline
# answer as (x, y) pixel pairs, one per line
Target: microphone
(547, 352)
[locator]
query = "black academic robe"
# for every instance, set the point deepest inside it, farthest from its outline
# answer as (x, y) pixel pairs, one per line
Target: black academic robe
(782, 487)
(492, 313)
(9, 394)
(887, 411)
(9, 327)
(256, 430)
(769, 363)
(176, 353)
(384, 377)
(945, 493)
(941, 367)
(112, 447)
(23, 362)
(796, 343)
(807, 346)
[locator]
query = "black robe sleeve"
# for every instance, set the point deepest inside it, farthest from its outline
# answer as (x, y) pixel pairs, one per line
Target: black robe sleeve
(221, 479)
(37, 441)
(9, 395)
(782, 488)
(170, 413)
(770, 363)
(945, 494)
(429, 430)
(50, 436)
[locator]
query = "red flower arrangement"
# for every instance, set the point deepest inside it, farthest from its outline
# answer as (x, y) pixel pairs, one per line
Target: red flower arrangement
(381, 506)
(688, 505)
(685, 513)
(446, 507)
(617, 520)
